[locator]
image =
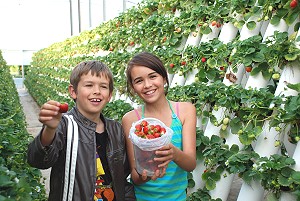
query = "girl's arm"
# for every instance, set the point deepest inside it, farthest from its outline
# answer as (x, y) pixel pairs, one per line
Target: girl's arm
(186, 158)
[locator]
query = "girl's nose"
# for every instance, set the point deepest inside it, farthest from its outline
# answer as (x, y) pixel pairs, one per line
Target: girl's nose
(147, 84)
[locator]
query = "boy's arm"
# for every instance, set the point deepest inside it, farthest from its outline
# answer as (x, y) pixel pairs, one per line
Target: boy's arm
(44, 157)
(43, 151)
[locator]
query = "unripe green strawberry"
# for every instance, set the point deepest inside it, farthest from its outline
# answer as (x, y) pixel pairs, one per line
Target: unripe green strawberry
(225, 121)
(277, 143)
(276, 76)
(224, 127)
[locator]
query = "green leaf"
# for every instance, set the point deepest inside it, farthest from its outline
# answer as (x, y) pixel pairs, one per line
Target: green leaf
(290, 57)
(251, 25)
(271, 197)
(296, 87)
(206, 30)
(275, 20)
(5, 181)
(212, 62)
(258, 57)
(283, 181)
(297, 26)
(210, 184)
(296, 177)
(292, 17)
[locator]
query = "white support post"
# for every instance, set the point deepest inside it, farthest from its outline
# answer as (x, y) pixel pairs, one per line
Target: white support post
(228, 33)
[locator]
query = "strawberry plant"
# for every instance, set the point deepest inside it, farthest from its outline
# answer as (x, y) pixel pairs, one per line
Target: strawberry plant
(19, 181)
(247, 52)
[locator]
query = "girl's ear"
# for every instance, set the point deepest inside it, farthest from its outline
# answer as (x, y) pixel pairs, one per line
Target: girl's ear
(72, 92)
(165, 81)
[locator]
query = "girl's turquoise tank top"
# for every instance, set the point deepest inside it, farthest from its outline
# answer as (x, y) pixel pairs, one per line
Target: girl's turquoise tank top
(172, 186)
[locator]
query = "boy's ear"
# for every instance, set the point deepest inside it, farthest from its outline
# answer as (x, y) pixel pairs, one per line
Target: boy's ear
(72, 92)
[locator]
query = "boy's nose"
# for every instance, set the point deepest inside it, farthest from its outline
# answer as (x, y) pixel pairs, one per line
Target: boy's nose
(97, 90)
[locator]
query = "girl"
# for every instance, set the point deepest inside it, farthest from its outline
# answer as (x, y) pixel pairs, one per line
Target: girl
(148, 78)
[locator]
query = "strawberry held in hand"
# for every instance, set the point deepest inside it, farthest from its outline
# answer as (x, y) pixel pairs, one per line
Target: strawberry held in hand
(63, 108)
(149, 131)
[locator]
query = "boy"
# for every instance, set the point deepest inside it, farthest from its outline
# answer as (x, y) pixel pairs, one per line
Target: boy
(101, 162)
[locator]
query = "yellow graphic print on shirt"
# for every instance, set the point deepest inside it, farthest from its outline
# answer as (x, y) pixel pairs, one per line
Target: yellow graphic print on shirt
(102, 192)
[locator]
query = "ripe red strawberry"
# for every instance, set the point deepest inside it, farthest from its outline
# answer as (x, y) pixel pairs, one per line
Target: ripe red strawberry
(162, 130)
(138, 127)
(144, 123)
(203, 59)
(248, 69)
(146, 129)
(150, 136)
(63, 108)
(222, 68)
(172, 65)
(183, 63)
(139, 133)
(293, 3)
(213, 23)
(156, 135)
(157, 128)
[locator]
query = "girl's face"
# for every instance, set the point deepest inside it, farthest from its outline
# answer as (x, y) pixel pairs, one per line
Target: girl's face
(148, 84)
(92, 95)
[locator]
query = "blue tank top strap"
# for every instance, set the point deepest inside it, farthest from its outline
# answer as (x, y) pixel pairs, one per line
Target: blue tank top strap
(174, 115)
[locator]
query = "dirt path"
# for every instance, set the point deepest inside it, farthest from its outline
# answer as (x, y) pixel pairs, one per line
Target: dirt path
(31, 111)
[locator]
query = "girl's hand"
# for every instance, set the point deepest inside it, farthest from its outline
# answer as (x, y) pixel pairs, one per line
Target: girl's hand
(157, 174)
(165, 155)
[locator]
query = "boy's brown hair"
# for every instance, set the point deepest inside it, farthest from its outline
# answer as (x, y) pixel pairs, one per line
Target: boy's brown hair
(93, 66)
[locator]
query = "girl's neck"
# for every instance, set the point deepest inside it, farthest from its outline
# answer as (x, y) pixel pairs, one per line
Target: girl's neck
(160, 110)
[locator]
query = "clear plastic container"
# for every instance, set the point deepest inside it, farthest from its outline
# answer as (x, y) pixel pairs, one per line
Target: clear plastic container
(144, 149)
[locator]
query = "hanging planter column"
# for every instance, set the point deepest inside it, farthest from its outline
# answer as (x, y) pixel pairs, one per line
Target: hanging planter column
(222, 189)
(265, 145)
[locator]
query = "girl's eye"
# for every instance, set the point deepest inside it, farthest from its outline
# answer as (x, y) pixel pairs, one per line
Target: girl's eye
(138, 81)
(153, 76)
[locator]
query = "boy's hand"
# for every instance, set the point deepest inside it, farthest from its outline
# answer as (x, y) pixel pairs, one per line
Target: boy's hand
(49, 114)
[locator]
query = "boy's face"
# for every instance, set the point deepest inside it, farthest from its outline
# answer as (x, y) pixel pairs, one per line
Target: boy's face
(92, 95)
